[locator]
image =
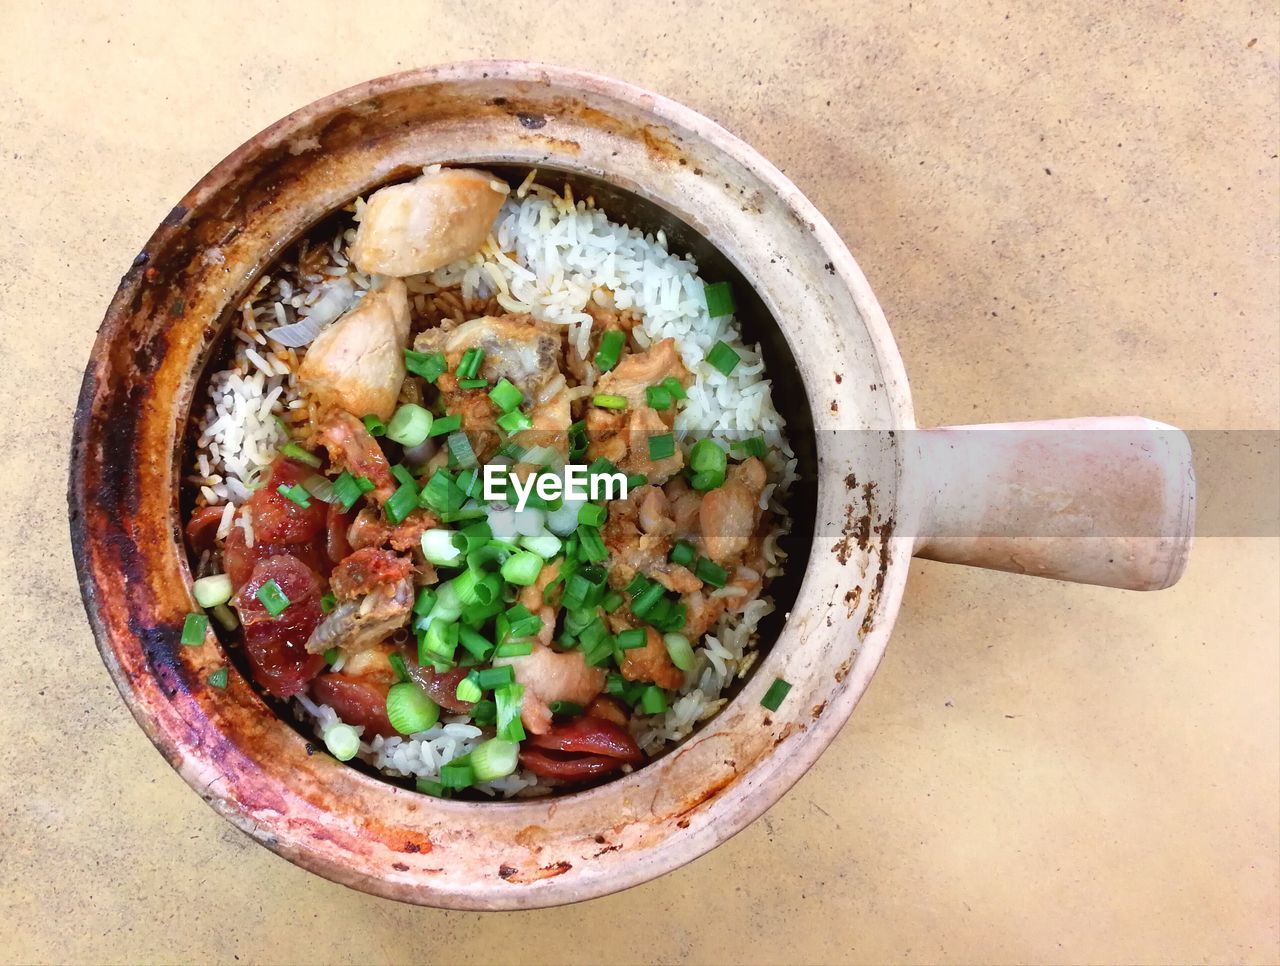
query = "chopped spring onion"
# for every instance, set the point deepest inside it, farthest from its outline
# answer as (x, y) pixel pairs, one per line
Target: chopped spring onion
(612, 601)
(719, 299)
(295, 452)
(425, 600)
(662, 446)
(346, 490)
(683, 553)
(398, 665)
(476, 644)
(672, 385)
(374, 425)
(485, 713)
(448, 606)
(495, 677)
(193, 630)
(212, 590)
(429, 365)
(707, 456)
(508, 699)
(410, 425)
(653, 700)
(631, 638)
(566, 709)
(506, 396)
(218, 678)
(273, 598)
(611, 344)
(342, 741)
(565, 520)
(723, 357)
(332, 655)
(469, 364)
(706, 481)
(441, 494)
(514, 649)
(296, 494)
(460, 451)
(609, 401)
(755, 446)
(592, 514)
(429, 786)
(646, 599)
(328, 603)
(658, 397)
(522, 568)
(409, 709)
(319, 487)
(443, 425)
(403, 474)
(597, 653)
(679, 651)
(545, 545)
(365, 484)
(401, 503)
(638, 583)
(472, 383)
(776, 693)
(439, 643)
(514, 422)
(711, 573)
(494, 758)
(522, 623)
(577, 440)
(457, 774)
(438, 548)
(591, 546)
(468, 690)
(226, 617)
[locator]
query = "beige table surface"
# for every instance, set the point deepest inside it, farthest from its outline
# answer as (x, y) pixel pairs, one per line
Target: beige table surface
(1065, 208)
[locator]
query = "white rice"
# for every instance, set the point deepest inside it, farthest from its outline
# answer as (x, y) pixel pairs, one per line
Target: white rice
(548, 256)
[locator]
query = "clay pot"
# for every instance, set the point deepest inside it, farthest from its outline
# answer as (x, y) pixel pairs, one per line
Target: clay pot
(1110, 507)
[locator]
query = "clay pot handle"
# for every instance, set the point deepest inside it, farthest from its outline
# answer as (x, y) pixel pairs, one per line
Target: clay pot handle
(1107, 501)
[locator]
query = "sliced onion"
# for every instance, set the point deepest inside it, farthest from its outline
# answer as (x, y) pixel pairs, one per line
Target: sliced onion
(530, 521)
(320, 488)
(565, 520)
(421, 454)
(335, 299)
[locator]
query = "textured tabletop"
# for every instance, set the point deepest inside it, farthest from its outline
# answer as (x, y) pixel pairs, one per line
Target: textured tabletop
(1065, 209)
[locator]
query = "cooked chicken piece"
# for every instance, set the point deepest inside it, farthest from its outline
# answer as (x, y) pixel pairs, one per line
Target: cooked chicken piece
(515, 347)
(531, 598)
(420, 226)
(549, 676)
(608, 709)
(604, 320)
(640, 370)
(551, 423)
(366, 570)
(683, 503)
(702, 613)
(351, 448)
(370, 529)
(730, 512)
(622, 437)
(366, 621)
(634, 548)
(652, 663)
(357, 363)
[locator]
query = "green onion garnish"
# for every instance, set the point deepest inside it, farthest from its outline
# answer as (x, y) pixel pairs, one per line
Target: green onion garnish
(295, 452)
(646, 599)
(342, 741)
(683, 553)
(661, 447)
(193, 630)
(441, 494)
(273, 598)
(218, 678)
(429, 365)
(295, 493)
(365, 484)
(522, 623)
(457, 774)
(472, 383)
(711, 573)
(429, 786)
(636, 480)
(632, 638)
(776, 693)
(522, 568)
(468, 690)
(607, 401)
(374, 425)
(439, 643)
(755, 446)
(494, 758)
(707, 456)
(577, 440)
(439, 549)
(485, 713)
(495, 677)
(425, 600)
(508, 699)
(723, 357)
(460, 451)
(409, 709)
(514, 422)
(638, 583)
(346, 490)
(545, 545)
(679, 650)
(443, 425)
(672, 385)
(719, 299)
(331, 656)
(398, 665)
(401, 503)
(328, 603)
(611, 344)
(403, 474)
(514, 649)
(212, 590)
(590, 544)
(410, 425)
(653, 700)
(475, 643)
(566, 709)
(592, 514)
(506, 396)
(469, 365)
(657, 397)
(611, 602)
